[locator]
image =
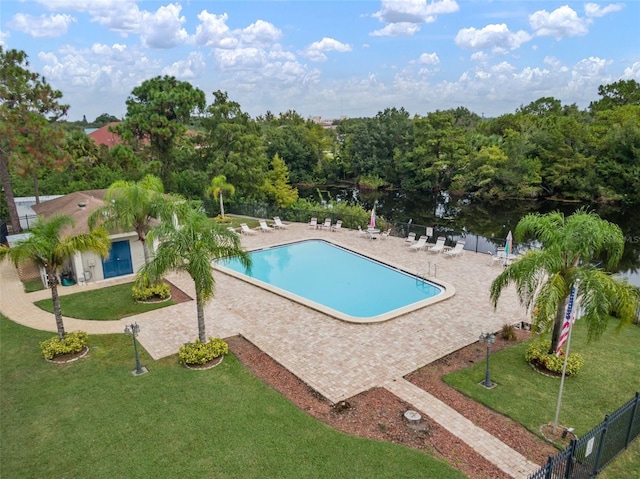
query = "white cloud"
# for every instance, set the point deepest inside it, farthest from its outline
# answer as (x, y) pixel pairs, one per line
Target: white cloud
(315, 51)
(188, 69)
(260, 33)
(162, 29)
(3, 37)
(429, 59)
(632, 72)
(414, 11)
(595, 10)
(496, 38)
(479, 57)
(43, 26)
(213, 31)
(401, 29)
(122, 16)
(562, 22)
(240, 58)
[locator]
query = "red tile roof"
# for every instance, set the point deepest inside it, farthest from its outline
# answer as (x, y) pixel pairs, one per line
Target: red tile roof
(102, 136)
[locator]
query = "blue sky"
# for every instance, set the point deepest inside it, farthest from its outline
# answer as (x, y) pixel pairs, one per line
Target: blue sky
(330, 58)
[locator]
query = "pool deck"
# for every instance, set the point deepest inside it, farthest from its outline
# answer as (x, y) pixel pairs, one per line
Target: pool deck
(336, 358)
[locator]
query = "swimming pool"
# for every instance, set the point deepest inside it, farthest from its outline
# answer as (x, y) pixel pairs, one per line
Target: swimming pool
(337, 281)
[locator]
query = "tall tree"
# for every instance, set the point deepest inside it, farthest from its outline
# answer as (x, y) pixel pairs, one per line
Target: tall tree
(27, 105)
(135, 206)
(570, 249)
(192, 247)
(277, 186)
(157, 112)
(217, 188)
(233, 145)
(50, 248)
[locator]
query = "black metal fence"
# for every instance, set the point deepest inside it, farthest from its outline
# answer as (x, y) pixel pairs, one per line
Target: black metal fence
(586, 457)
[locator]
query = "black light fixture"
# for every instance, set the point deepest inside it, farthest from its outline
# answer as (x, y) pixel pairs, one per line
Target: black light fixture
(489, 339)
(133, 330)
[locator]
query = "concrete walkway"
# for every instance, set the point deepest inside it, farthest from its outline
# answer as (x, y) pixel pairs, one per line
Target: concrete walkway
(488, 446)
(337, 359)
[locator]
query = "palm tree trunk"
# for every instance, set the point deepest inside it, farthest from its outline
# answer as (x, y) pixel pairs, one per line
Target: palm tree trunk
(557, 327)
(221, 205)
(57, 310)
(200, 308)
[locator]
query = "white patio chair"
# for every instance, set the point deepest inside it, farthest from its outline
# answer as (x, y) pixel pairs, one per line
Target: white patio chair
(420, 244)
(410, 239)
(438, 247)
(264, 227)
(458, 250)
(277, 223)
(337, 227)
(327, 224)
(313, 224)
(245, 230)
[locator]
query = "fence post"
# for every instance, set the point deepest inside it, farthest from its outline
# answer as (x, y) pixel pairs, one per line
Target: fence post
(596, 464)
(631, 419)
(570, 459)
(549, 468)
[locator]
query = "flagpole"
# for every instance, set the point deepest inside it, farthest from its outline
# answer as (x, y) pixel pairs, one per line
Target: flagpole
(572, 317)
(564, 370)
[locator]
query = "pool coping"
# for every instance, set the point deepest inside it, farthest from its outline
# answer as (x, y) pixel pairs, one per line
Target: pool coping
(448, 290)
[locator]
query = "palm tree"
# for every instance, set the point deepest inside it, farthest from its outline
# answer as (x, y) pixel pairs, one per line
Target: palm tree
(49, 248)
(569, 248)
(218, 186)
(192, 247)
(135, 206)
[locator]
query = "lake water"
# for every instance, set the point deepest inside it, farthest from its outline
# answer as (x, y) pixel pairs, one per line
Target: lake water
(485, 219)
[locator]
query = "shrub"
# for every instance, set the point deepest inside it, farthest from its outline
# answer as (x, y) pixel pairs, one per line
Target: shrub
(202, 353)
(158, 290)
(508, 332)
(73, 343)
(225, 220)
(538, 354)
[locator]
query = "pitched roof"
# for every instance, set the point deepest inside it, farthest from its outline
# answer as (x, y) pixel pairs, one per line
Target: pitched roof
(78, 205)
(102, 136)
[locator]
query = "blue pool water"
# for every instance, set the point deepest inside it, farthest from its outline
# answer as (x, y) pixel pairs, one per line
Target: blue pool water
(336, 278)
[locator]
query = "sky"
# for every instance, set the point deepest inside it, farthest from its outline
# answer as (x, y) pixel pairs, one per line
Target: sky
(329, 58)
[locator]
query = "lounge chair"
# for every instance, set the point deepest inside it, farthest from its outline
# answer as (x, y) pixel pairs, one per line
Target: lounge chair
(264, 227)
(361, 232)
(337, 227)
(458, 250)
(420, 244)
(411, 238)
(327, 224)
(385, 234)
(438, 247)
(232, 229)
(313, 224)
(277, 223)
(499, 257)
(245, 230)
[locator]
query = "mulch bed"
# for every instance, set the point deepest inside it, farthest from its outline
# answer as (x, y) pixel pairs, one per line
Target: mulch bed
(378, 414)
(177, 294)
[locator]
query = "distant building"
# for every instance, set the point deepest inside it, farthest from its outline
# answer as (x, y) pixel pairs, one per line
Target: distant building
(102, 135)
(326, 122)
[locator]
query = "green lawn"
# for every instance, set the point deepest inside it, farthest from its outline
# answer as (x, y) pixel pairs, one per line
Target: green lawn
(93, 419)
(104, 304)
(609, 379)
(33, 285)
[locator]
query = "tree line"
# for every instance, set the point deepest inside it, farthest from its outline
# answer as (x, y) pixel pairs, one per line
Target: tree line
(543, 150)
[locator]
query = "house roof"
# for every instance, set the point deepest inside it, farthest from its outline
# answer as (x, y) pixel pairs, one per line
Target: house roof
(78, 205)
(102, 136)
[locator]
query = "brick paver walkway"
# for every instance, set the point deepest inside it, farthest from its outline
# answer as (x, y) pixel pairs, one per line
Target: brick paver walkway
(337, 359)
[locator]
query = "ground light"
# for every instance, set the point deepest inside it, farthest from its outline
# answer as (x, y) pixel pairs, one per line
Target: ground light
(489, 339)
(133, 330)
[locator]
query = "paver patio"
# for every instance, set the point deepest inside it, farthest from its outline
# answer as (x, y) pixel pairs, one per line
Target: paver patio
(337, 359)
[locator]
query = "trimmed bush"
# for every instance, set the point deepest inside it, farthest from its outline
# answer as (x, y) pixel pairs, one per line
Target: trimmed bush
(73, 343)
(538, 354)
(158, 290)
(202, 353)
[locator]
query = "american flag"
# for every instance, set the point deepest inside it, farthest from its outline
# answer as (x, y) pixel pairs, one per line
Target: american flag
(569, 319)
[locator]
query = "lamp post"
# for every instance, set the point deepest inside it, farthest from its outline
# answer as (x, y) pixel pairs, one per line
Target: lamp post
(488, 338)
(133, 330)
